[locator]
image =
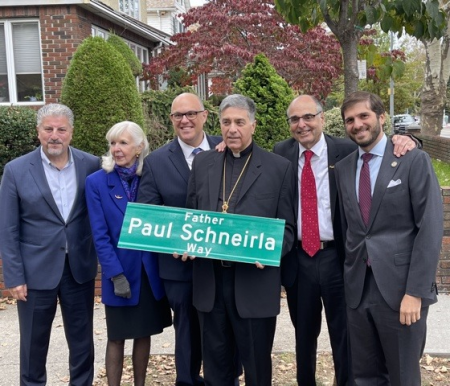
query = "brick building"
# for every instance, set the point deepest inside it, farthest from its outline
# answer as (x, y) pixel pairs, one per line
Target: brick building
(39, 37)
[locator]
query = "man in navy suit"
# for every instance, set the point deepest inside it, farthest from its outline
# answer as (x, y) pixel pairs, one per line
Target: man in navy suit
(313, 281)
(164, 182)
(46, 247)
(392, 219)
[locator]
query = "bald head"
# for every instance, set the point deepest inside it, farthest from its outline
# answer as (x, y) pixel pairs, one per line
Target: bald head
(189, 130)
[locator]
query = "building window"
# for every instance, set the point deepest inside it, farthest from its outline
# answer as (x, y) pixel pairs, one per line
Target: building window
(130, 7)
(20, 62)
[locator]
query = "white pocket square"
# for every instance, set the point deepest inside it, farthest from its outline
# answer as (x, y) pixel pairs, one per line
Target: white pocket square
(393, 183)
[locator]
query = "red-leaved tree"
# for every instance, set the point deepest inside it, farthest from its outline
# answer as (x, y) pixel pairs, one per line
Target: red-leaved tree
(224, 35)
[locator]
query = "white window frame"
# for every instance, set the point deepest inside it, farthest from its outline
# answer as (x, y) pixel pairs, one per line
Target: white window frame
(10, 64)
(130, 7)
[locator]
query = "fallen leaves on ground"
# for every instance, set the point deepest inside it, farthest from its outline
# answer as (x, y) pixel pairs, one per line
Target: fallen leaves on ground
(161, 371)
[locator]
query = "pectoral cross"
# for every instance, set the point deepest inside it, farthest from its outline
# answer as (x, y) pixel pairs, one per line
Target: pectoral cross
(224, 207)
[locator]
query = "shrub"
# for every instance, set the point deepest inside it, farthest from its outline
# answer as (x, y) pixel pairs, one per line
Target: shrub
(101, 91)
(157, 105)
(272, 96)
(17, 133)
(119, 44)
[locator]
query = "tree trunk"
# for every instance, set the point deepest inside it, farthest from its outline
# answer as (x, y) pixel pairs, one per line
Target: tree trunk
(349, 42)
(437, 71)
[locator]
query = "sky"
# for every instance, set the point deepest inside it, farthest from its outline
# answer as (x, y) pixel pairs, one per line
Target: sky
(194, 3)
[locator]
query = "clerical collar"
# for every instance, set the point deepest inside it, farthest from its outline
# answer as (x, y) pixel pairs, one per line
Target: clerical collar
(243, 153)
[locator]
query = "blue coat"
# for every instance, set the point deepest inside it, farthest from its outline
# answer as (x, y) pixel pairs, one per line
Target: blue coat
(107, 202)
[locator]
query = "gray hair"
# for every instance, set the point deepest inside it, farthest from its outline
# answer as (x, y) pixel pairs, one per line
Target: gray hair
(241, 102)
(139, 138)
(54, 109)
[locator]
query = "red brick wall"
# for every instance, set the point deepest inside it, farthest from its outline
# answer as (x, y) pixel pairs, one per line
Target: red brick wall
(436, 147)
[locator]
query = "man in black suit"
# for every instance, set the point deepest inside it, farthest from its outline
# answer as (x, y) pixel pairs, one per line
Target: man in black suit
(392, 218)
(238, 302)
(164, 182)
(47, 249)
(314, 279)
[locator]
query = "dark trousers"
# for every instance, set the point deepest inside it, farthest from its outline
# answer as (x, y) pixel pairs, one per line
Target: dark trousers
(35, 320)
(319, 281)
(188, 354)
(384, 352)
(225, 333)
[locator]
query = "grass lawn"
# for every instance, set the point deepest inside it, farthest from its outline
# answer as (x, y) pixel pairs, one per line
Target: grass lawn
(442, 170)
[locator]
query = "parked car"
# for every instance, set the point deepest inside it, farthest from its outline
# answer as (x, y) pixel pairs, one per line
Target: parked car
(405, 122)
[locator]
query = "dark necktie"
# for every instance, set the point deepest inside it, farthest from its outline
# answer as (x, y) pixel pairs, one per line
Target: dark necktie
(365, 192)
(196, 151)
(310, 221)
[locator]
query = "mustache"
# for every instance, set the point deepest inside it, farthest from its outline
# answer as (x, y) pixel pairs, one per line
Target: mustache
(55, 142)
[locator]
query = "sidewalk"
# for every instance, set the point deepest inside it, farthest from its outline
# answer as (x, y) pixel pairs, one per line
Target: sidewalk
(438, 341)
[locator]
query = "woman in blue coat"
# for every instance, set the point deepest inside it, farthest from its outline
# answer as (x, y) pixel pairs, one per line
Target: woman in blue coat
(135, 304)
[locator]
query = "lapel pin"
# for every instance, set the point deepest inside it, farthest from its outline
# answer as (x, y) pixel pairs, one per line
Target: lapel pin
(118, 197)
(394, 164)
(331, 166)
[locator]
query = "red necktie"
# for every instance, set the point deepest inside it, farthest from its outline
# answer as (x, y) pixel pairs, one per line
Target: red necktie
(365, 192)
(310, 221)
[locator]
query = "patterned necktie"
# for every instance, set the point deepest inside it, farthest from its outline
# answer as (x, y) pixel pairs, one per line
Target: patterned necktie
(310, 221)
(365, 193)
(196, 151)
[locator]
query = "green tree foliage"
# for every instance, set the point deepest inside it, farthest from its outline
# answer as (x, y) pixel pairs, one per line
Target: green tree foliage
(119, 44)
(272, 96)
(101, 90)
(17, 133)
(347, 20)
(157, 105)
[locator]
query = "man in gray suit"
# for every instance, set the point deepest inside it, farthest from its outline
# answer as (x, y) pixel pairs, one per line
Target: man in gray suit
(46, 247)
(392, 221)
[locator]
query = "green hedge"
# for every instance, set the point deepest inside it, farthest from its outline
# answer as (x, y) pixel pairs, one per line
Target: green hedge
(17, 133)
(101, 91)
(272, 96)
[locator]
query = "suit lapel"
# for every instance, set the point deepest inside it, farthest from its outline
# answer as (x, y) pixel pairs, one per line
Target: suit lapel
(116, 191)
(214, 170)
(38, 174)
(292, 155)
(388, 167)
(176, 156)
(349, 176)
(253, 172)
(333, 157)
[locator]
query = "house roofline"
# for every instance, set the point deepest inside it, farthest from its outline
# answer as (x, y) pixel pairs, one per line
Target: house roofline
(97, 7)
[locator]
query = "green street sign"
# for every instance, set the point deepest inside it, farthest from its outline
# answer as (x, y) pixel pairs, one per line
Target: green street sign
(213, 235)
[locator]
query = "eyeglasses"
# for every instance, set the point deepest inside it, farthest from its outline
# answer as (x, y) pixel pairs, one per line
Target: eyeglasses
(191, 115)
(306, 118)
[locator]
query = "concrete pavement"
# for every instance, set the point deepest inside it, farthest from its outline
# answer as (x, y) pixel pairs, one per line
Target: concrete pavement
(438, 341)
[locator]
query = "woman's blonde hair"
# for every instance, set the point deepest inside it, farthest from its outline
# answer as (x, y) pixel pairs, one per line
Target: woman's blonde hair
(138, 136)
